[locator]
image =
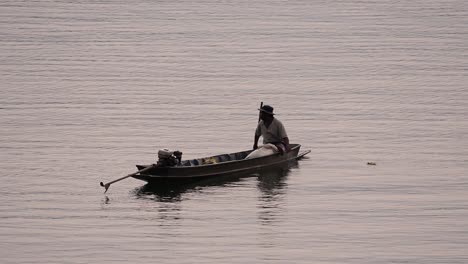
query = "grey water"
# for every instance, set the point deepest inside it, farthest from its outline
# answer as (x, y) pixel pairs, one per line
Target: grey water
(88, 89)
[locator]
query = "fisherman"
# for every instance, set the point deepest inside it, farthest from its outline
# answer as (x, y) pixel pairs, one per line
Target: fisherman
(272, 131)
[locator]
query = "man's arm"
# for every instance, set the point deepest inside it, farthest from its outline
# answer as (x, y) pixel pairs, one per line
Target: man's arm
(258, 133)
(286, 143)
(255, 146)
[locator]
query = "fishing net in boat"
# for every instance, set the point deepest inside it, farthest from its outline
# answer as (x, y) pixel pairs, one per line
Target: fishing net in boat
(265, 150)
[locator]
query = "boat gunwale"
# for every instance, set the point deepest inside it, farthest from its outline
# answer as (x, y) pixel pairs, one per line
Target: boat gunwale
(230, 161)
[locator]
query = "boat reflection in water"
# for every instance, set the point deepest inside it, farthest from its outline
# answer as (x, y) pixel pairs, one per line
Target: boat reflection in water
(273, 186)
(271, 181)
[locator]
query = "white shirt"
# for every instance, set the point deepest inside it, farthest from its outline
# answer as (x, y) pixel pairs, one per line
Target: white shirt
(273, 134)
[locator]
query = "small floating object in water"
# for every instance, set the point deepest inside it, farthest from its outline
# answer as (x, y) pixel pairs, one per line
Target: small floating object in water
(371, 163)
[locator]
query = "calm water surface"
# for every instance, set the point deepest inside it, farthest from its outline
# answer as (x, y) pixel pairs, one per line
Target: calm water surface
(91, 88)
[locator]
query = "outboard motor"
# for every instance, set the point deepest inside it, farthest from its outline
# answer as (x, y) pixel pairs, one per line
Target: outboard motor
(168, 158)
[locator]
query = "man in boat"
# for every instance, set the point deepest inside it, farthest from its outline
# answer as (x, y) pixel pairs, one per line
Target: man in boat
(272, 131)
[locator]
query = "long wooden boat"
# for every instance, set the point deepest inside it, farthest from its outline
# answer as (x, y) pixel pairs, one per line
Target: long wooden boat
(224, 165)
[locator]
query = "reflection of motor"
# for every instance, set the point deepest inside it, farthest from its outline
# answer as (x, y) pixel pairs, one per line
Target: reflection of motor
(167, 158)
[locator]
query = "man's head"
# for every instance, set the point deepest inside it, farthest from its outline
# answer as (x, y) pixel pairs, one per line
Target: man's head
(266, 112)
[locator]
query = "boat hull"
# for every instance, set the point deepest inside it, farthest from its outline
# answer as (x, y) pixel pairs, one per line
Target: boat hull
(195, 173)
